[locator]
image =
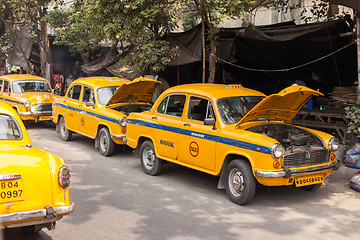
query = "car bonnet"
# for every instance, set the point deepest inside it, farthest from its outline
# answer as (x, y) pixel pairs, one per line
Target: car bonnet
(282, 106)
(139, 90)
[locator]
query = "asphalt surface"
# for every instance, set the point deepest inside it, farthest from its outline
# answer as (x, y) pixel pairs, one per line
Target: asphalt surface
(115, 199)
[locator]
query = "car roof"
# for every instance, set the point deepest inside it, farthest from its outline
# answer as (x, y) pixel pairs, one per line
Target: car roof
(100, 81)
(16, 77)
(214, 91)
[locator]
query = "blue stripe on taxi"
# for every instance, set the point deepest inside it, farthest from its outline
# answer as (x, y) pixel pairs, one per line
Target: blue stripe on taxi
(88, 113)
(228, 141)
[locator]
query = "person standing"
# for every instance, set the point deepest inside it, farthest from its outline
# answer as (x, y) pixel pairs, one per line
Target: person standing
(68, 81)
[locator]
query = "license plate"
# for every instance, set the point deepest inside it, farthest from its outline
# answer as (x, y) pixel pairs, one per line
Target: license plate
(44, 118)
(309, 180)
(11, 190)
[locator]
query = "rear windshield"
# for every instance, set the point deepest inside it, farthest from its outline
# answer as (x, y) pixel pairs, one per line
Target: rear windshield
(233, 109)
(31, 86)
(9, 129)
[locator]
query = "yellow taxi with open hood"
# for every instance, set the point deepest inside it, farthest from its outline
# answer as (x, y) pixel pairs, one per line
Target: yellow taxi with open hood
(31, 96)
(34, 184)
(235, 133)
(97, 107)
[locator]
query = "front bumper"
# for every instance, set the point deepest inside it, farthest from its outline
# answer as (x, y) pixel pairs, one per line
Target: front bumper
(114, 136)
(35, 217)
(35, 113)
(287, 173)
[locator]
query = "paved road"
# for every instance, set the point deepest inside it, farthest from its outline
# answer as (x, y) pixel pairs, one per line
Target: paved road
(116, 200)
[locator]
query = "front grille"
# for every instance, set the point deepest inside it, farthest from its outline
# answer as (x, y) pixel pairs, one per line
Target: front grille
(46, 107)
(305, 158)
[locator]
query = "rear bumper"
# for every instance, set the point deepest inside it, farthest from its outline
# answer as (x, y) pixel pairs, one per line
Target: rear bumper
(287, 173)
(41, 216)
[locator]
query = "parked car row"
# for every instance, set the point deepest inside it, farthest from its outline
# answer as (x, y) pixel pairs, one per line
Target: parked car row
(229, 131)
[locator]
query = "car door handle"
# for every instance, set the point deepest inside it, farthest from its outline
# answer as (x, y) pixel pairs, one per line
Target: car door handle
(154, 117)
(187, 124)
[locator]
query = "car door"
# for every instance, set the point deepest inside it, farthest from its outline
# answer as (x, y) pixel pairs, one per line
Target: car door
(88, 113)
(198, 141)
(72, 113)
(168, 117)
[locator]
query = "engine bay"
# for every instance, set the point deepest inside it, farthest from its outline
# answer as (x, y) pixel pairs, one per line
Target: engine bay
(293, 139)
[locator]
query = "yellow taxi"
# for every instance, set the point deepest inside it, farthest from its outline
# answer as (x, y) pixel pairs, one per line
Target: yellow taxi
(31, 96)
(235, 133)
(96, 107)
(34, 184)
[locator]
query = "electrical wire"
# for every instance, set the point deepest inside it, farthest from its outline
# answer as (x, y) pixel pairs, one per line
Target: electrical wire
(284, 69)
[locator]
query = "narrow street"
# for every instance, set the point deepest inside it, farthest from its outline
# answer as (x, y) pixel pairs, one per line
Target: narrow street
(116, 200)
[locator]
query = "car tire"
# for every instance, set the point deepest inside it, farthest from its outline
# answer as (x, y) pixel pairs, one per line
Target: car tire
(240, 183)
(106, 144)
(311, 188)
(65, 134)
(151, 164)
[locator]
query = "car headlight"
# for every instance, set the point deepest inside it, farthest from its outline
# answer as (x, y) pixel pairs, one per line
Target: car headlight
(277, 150)
(33, 108)
(64, 176)
(122, 121)
(334, 144)
(27, 103)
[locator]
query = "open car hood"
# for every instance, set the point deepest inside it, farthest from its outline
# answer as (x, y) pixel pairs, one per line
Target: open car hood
(282, 106)
(139, 90)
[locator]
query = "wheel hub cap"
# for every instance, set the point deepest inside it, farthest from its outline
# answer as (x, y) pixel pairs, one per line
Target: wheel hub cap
(237, 181)
(149, 158)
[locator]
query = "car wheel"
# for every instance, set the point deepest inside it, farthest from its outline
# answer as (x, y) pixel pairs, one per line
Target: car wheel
(106, 144)
(311, 188)
(151, 164)
(240, 182)
(65, 133)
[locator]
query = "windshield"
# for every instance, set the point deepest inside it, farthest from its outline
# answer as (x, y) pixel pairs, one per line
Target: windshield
(233, 109)
(105, 93)
(9, 129)
(31, 86)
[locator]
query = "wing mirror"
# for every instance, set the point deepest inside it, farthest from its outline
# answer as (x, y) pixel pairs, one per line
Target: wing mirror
(90, 104)
(210, 121)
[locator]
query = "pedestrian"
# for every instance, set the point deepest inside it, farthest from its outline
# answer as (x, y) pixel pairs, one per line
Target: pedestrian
(2, 72)
(68, 81)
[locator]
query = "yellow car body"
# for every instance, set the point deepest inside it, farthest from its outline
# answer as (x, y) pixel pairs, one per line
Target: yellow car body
(236, 133)
(95, 107)
(34, 183)
(31, 96)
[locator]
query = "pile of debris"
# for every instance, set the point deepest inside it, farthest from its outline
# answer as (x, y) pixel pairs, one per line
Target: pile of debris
(343, 96)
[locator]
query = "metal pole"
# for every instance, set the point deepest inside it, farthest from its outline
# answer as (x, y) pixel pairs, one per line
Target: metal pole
(358, 54)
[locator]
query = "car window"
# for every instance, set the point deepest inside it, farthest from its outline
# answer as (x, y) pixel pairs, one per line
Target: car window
(74, 92)
(9, 129)
(172, 105)
(105, 93)
(6, 87)
(233, 109)
(199, 109)
(88, 95)
(1, 81)
(31, 86)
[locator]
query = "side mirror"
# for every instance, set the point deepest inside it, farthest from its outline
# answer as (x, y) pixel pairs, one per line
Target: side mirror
(209, 121)
(90, 104)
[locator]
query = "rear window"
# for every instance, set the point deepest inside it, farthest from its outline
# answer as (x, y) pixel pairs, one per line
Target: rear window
(9, 128)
